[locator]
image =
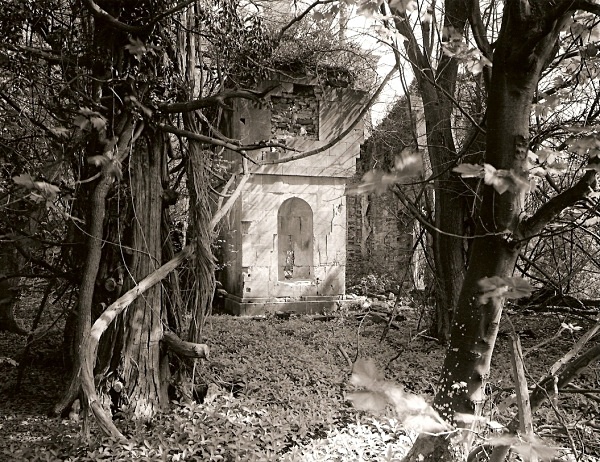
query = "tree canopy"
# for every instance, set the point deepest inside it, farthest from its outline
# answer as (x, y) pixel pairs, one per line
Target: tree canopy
(111, 130)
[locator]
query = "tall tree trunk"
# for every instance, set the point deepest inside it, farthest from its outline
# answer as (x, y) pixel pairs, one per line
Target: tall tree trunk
(437, 90)
(202, 280)
(202, 272)
(83, 320)
(475, 326)
(142, 368)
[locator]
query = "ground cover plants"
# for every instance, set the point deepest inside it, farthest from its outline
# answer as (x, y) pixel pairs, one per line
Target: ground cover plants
(277, 387)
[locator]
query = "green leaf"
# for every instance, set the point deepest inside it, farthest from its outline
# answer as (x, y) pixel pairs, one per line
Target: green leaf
(61, 132)
(368, 9)
(5, 360)
(136, 47)
(372, 401)
(527, 446)
(98, 122)
(469, 170)
(87, 117)
(404, 6)
(584, 144)
(373, 181)
(509, 287)
(81, 122)
(98, 161)
(409, 163)
(114, 169)
(365, 373)
(49, 191)
(25, 180)
(498, 179)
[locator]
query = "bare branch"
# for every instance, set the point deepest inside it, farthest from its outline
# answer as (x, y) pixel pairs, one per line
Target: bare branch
(234, 146)
(219, 214)
(90, 346)
(547, 212)
(480, 38)
(113, 22)
(215, 100)
(478, 29)
(170, 11)
(417, 58)
(546, 387)
(301, 16)
(101, 14)
(22, 112)
(583, 5)
(198, 137)
(576, 349)
(45, 54)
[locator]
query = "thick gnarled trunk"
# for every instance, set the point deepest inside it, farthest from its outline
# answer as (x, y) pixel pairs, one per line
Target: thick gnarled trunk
(144, 381)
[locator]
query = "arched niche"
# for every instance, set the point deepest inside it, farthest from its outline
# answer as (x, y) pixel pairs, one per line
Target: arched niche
(295, 240)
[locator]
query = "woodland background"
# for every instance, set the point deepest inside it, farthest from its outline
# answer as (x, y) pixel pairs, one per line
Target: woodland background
(110, 120)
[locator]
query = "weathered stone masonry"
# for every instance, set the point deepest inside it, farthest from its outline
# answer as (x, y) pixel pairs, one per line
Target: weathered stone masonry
(380, 232)
(285, 243)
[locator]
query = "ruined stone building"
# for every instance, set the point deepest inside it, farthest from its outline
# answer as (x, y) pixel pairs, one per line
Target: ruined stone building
(382, 236)
(284, 245)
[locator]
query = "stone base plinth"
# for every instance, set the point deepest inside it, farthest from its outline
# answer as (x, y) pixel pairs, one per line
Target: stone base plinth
(302, 305)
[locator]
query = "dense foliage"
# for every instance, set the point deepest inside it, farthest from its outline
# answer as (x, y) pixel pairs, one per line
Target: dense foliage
(285, 399)
(110, 109)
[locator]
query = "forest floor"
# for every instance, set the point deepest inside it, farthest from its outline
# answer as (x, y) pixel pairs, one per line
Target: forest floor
(277, 388)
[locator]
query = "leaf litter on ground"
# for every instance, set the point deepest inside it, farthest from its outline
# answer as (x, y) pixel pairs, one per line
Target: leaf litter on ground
(278, 391)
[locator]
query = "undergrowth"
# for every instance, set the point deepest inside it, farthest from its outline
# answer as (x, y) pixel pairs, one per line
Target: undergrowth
(277, 390)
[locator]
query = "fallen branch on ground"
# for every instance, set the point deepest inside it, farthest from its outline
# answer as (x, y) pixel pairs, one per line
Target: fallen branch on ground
(183, 348)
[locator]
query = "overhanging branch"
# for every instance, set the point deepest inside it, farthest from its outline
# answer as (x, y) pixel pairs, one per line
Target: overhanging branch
(113, 22)
(215, 100)
(242, 149)
(550, 210)
(103, 15)
(301, 16)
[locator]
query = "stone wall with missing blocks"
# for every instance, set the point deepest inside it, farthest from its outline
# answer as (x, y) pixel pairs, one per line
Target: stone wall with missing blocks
(284, 244)
(383, 238)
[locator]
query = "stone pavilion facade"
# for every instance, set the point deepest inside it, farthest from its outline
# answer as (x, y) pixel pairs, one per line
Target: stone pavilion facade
(284, 243)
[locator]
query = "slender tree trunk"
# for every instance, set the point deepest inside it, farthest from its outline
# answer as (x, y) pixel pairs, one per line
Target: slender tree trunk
(86, 290)
(494, 253)
(90, 270)
(436, 90)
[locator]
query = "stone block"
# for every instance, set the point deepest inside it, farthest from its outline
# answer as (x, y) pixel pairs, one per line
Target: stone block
(320, 272)
(264, 253)
(248, 252)
(334, 281)
(257, 279)
(321, 256)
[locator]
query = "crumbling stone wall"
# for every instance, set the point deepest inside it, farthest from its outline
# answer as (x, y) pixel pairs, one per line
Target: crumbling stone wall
(380, 231)
(269, 262)
(295, 114)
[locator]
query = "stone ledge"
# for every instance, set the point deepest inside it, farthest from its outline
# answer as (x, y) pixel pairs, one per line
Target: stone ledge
(303, 305)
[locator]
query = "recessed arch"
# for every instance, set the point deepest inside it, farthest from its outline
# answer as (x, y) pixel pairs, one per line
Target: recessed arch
(295, 240)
